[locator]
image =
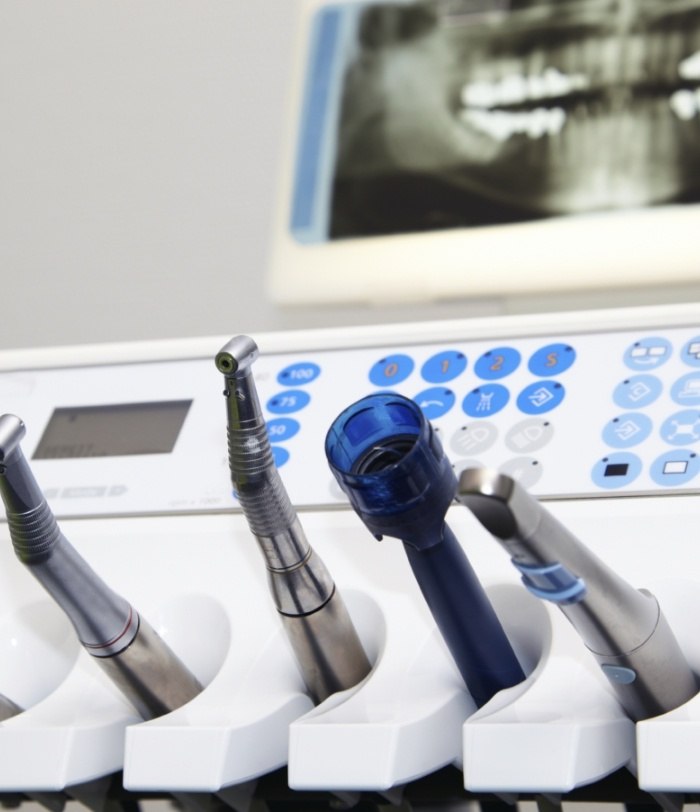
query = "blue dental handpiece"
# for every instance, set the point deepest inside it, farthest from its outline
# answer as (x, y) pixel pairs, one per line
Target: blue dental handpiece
(389, 461)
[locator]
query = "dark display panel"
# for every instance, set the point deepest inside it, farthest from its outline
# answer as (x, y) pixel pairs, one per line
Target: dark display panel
(112, 430)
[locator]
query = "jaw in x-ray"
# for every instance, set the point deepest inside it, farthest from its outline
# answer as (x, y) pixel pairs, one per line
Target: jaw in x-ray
(465, 112)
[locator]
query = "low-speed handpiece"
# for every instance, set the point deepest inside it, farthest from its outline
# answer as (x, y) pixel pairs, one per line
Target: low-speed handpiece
(136, 658)
(314, 616)
(388, 460)
(623, 627)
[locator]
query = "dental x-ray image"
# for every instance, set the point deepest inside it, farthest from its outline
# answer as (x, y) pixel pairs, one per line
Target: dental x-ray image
(455, 113)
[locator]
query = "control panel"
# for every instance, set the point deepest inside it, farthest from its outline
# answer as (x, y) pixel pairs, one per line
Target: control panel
(567, 414)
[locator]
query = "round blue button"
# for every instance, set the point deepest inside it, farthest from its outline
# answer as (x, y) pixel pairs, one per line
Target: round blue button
(681, 428)
(280, 455)
(627, 430)
(299, 374)
(675, 468)
(435, 402)
(541, 397)
(444, 366)
(391, 370)
(287, 402)
(637, 392)
(616, 470)
(497, 363)
(690, 354)
(552, 360)
(281, 429)
(648, 353)
(686, 390)
(486, 400)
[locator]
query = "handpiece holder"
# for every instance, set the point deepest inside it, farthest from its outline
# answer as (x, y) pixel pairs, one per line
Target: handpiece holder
(390, 463)
(623, 627)
(319, 627)
(141, 664)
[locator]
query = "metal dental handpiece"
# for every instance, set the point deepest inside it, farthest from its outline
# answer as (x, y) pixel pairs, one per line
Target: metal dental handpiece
(312, 610)
(623, 627)
(140, 663)
(390, 463)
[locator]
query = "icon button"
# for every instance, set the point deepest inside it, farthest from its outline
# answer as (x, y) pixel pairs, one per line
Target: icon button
(486, 400)
(681, 428)
(674, 468)
(529, 435)
(541, 397)
(435, 402)
(474, 438)
(616, 470)
(627, 430)
(648, 353)
(637, 392)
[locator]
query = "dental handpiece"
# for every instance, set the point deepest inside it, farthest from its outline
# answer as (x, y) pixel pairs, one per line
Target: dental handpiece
(8, 708)
(122, 642)
(389, 461)
(623, 627)
(312, 611)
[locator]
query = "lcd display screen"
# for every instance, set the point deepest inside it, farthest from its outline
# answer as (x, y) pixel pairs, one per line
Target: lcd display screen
(112, 430)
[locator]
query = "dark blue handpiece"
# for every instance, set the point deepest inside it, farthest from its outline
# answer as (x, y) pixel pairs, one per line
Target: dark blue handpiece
(389, 461)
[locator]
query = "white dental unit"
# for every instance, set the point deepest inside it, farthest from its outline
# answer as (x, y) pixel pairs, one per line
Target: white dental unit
(595, 412)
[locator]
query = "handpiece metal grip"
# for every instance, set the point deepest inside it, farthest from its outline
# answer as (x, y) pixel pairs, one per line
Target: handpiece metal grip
(623, 627)
(313, 613)
(107, 626)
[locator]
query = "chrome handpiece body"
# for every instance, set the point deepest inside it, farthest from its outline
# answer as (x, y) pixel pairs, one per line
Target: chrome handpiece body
(141, 664)
(390, 463)
(313, 613)
(623, 627)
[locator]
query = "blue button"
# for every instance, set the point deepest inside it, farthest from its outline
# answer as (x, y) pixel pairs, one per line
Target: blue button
(443, 367)
(681, 428)
(287, 402)
(616, 470)
(637, 392)
(541, 397)
(675, 468)
(281, 429)
(627, 430)
(486, 400)
(497, 363)
(686, 390)
(619, 674)
(648, 353)
(435, 402)
(391, 370)
(280, 455)
(552, 360)
(299, 374)
(690, 354)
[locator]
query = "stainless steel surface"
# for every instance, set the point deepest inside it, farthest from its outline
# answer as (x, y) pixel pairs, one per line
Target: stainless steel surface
(104, 622)
(8, 708)
(623, 627)
(328, 649)
(150, 675)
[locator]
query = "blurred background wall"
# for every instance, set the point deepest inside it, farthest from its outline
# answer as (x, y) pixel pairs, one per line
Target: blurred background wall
(139, 148)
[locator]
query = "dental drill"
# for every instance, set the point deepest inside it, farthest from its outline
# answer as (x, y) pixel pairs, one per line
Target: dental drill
(389, 461)
(133, 655)
(623, 627)
(312, 611)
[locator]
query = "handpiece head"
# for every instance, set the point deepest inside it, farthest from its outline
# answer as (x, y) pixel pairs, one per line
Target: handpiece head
(12, 430)
(389, 461)
(236, 356)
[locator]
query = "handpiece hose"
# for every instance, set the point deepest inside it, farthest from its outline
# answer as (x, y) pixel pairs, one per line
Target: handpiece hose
(312, 611)
(390, 463)
(141, 664)
(623, 627)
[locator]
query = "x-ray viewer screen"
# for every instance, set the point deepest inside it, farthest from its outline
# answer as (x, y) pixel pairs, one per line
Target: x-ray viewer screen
(455, 113)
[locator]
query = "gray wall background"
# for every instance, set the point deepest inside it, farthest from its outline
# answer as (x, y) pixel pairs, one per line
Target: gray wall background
(139, 147)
